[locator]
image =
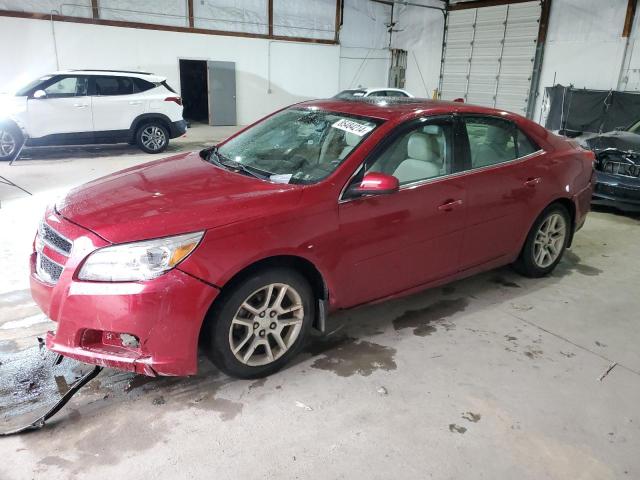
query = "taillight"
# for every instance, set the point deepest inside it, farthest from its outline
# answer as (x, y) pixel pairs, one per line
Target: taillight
(177, 100)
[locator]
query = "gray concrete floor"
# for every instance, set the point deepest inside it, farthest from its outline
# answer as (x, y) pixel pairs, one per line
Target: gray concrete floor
(495, 376)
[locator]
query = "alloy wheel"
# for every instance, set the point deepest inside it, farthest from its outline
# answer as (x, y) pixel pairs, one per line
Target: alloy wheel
(549, 240)
(153, 137)
(7, 143)
(266, 325)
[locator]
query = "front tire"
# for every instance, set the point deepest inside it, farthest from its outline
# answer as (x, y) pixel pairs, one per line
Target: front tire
(11, 140)
(152, 137)
(546, 242)
(263, 322)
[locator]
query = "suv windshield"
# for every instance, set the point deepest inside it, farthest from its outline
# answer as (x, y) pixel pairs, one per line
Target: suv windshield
(27, 88)
(297, 145)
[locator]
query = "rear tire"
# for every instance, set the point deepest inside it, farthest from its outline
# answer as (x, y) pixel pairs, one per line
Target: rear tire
(546, 242)
(152, 137)
(260, 324)
(11, 141)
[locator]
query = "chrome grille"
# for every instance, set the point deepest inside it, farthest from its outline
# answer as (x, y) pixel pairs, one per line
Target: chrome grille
(54, 240)
(47, 269)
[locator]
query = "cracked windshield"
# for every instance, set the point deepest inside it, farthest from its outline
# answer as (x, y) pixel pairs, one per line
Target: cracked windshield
(296, 146)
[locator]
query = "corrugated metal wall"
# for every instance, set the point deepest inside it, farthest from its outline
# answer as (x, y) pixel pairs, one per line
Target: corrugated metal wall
(489, 55)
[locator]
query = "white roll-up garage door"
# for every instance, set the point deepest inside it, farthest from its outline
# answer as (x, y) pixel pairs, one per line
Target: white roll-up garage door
(489, 55)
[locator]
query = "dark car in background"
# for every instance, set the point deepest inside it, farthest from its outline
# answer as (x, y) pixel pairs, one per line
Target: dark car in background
(617, 168)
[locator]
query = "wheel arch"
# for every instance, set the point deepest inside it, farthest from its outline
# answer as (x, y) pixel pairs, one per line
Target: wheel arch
(566, 203)
(300, 264)
(10, 122)
(146, 117)
(571, 208)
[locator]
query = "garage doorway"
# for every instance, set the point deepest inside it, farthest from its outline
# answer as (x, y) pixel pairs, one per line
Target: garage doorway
(194, 88)
(490, 53)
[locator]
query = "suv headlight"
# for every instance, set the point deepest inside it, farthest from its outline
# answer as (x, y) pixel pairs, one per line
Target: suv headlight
(140, 260)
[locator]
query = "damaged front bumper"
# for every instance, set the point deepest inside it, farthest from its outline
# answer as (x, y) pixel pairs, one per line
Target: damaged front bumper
(617, 191)
(149, 327)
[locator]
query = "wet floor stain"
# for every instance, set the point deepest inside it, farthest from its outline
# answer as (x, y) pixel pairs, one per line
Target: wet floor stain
(472, 417)
(573, 263)
(533, 353)
(425, 321)
(225, 408)
(453, 428)
(345, 356)
(504, 282)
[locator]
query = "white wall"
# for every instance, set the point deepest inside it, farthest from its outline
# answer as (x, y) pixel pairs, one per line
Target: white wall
(420, 33)
(298, 71)
(364, 40)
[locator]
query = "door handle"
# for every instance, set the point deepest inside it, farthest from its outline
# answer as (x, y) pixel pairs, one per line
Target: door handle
(450, 205)
(81, 105)
(134, 103)
(532, 182)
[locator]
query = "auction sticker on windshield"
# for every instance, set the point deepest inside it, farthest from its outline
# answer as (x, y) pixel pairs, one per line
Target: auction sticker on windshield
(352, 127)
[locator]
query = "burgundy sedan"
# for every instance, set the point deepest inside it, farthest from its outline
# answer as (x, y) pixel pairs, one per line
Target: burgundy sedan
(245, 247)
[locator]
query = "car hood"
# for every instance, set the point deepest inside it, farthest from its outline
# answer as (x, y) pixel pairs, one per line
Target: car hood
(171, 196)
(620, 140)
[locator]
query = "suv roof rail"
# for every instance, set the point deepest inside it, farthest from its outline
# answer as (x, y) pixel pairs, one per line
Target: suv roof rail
(114, 71)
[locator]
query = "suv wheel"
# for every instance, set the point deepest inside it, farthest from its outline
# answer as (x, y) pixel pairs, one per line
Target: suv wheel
(546, 242)
(261, 323)
(11, 140)
(152, 137)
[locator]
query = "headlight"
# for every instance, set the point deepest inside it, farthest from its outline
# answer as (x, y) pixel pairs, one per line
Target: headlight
(139, 260)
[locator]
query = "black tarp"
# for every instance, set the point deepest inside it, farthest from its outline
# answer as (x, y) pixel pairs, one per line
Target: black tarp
(582, 110)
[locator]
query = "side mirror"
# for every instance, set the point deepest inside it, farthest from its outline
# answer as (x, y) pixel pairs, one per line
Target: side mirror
(374, 183)
(39, 94)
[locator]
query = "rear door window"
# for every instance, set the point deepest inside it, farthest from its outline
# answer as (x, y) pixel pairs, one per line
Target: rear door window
(494, 140)
(106, 86)
(491, 141)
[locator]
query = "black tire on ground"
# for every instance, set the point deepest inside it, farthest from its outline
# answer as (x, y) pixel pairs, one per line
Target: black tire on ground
(11, 140)
(223, 329)
(152, 137)
(526, 263)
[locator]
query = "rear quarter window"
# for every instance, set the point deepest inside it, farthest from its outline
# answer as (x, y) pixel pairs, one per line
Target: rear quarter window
(140, 85)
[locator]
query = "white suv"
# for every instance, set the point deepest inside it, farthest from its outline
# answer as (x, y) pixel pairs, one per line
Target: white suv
(79, 107)
(363, 92)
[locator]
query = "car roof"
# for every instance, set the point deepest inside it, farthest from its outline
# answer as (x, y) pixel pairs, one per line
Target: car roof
(115, 73)
(392, 108)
